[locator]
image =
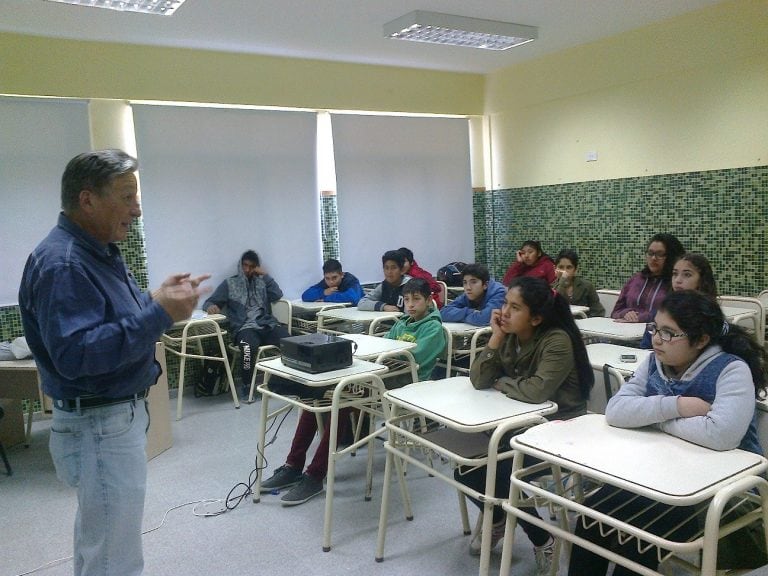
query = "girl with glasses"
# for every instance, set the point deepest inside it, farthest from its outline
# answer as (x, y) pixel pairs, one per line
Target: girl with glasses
(700, 384)
(645, 289)
(691, 272)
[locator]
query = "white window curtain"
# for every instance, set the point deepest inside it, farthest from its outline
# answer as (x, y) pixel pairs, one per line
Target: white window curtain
(216, 182)
(402, 181)
(37, 139)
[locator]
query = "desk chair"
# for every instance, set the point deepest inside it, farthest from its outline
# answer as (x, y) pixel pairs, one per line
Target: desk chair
(380, 326)
(763, 297)
(461, 347)
(189, 344)
(363, 392)
(608, 380)
(443, 291)
(608, 299)
(753, 318)
(308, 325)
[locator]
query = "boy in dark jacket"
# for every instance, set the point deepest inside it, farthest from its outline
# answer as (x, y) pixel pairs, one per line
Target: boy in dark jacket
(387, 296)
(336, 286)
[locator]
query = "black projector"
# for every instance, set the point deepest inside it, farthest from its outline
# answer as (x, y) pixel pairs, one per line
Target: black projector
(316, 353)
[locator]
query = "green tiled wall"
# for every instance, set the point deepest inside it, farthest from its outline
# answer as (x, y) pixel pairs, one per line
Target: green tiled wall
(720, 213)
(329, 225)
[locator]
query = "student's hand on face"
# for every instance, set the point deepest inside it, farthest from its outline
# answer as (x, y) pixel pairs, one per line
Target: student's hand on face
(519, 255)
(688, 407)
(331, 290)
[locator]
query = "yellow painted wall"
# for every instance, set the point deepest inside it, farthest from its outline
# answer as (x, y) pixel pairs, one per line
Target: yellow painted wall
(31, 65)
(688, 94)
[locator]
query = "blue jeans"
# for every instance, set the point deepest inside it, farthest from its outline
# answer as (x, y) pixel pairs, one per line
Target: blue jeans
(100, 451)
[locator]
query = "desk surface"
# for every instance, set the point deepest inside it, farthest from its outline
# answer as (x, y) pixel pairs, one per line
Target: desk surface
(317, 306)
(355, 314)
(276, 366)
(23, 365)
(455, 403)
(458, 328)
(198, 315)
(645, 461)
(369, 347)
(609, 328)
(602, 353)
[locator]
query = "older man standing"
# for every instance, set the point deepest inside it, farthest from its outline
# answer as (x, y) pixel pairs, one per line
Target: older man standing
(92, 332)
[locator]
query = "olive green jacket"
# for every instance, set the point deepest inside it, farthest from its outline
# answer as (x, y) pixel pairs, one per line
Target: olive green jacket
(543, 369)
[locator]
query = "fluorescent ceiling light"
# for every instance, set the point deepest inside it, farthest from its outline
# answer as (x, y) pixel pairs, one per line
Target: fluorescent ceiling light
(436, 28)
(160, 7)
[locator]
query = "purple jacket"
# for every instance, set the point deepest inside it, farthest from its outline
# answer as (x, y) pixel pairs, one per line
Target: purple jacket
(643, 294)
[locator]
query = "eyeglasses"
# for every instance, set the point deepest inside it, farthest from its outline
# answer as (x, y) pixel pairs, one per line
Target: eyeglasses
(665, 334)
(657, 255)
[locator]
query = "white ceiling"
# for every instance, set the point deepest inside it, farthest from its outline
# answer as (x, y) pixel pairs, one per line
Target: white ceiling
(343, 30)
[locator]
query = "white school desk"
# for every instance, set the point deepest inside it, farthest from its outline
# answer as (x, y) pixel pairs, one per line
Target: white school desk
(304, 314)
(601, 327)
(394, 354)
(369, 318)
(185, 340)
(469, 417)
(357, 386)
(644, 461)
(602, 353)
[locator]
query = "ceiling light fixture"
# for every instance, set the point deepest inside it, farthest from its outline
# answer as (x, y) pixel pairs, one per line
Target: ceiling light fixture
(159, 7)
(436, 28)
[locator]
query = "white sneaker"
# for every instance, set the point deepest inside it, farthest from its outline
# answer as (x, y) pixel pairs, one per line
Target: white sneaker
(497, 534)
(545, 556)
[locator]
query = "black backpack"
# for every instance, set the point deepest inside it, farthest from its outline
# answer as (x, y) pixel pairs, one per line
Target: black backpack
(451, 273)
(213, 381)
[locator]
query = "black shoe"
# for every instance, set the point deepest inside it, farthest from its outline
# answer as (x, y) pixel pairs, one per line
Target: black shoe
(283, 477)
(307, 488)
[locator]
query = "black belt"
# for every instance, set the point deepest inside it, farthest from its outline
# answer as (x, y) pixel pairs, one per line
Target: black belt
(81, 402)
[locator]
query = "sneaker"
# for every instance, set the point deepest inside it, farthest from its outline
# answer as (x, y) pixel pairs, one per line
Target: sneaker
(307, 488)
(497, 534)
(545, 555)
(283, 477)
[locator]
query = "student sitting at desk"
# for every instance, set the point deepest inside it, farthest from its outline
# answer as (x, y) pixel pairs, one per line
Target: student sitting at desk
(645, 289)
(387, 296)
(691, 272)
(246, 299)
(700, 385)
(532, 262)
(336, 286)
(422, 325)
(481, 297)
(415, 271)
(575, 288)
(535, 354)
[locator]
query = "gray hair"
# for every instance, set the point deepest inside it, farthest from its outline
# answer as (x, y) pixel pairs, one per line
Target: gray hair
(93, 171)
